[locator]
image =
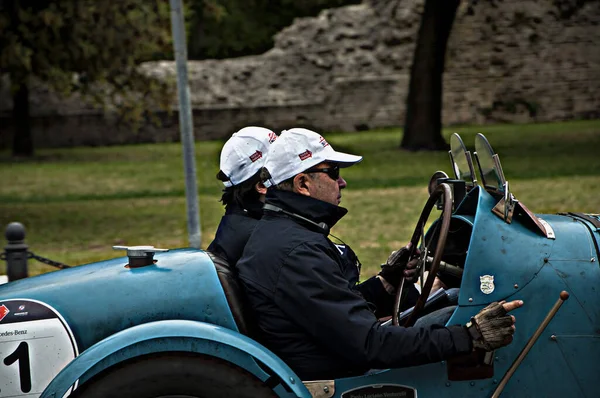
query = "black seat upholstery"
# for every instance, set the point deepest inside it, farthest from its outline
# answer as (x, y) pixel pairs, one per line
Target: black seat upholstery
(236, 297)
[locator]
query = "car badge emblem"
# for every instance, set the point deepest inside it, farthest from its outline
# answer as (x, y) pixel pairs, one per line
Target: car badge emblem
(21, 307)
(486, 284)
(3, 312)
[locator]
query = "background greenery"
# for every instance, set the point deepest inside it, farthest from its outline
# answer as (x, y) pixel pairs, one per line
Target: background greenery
(233, 28)
(76, 203)
(94, 48)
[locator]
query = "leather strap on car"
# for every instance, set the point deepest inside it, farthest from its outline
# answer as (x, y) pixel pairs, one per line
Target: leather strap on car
(594, 221)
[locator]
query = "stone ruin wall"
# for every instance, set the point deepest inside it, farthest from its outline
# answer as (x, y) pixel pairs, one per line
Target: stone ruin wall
(348, 69)
(522, 61)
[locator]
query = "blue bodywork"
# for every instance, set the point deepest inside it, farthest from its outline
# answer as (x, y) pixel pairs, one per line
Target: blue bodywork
(532, 268)
(118, 313)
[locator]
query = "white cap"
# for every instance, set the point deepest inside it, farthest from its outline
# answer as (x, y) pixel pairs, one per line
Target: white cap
(297, 150)
(244, 154)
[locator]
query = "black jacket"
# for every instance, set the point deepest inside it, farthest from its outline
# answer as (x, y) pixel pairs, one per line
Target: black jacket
(309, 311)
(234, 230)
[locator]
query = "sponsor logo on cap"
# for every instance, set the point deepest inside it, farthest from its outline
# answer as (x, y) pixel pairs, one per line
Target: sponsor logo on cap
(305, 155)
(3, 311)
(255, 156)
(323, 142)
(272, 137)
(21, 307)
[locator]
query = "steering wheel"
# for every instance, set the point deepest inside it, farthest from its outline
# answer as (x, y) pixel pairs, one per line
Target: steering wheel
(442, 190)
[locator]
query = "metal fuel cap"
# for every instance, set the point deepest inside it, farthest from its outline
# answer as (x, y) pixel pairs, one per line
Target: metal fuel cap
(140, 256)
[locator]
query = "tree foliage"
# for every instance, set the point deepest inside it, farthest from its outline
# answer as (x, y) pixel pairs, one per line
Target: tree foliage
(89, 46)
(232, 28)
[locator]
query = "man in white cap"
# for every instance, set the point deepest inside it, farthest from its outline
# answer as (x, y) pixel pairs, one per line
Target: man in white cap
(242, 157)
(308, 307)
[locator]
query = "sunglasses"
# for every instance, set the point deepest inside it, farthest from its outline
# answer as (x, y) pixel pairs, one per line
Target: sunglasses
(333, 172)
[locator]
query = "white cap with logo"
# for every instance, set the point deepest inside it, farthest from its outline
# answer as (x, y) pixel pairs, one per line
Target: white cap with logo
(297, 150)
(244, 154)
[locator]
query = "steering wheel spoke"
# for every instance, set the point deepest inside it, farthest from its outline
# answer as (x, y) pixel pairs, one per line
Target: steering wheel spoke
(442, 190)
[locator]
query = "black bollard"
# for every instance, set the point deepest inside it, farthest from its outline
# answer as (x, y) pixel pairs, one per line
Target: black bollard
(16, 252)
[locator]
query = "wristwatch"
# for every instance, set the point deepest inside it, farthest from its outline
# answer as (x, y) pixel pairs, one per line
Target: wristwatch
(473, 329)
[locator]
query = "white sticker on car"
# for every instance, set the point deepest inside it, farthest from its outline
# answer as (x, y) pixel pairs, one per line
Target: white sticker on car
(35, 344)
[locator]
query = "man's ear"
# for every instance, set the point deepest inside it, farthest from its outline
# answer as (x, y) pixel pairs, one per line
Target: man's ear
(260, 188)
(301, 184)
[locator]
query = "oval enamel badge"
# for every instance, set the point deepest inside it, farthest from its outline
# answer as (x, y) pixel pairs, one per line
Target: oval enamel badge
(486, 284)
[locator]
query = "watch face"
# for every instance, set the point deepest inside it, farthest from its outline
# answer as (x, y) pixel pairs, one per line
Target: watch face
(473, 331)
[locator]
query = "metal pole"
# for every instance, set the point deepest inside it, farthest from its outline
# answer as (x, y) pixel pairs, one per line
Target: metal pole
(185, 123)
(15, 252)
(564, 296)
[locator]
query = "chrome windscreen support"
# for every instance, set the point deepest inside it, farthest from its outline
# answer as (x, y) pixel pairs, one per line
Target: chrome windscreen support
(505, 208)
(498, 166)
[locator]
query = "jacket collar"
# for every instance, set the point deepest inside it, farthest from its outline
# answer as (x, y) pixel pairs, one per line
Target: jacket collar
(314, 209)
(250, 208)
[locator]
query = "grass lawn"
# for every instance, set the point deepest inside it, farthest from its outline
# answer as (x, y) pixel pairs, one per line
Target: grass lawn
(76, 203)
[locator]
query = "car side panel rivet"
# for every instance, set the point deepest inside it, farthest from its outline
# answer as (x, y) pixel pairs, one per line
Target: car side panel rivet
(292, 380)
(447, 384)
(470, 299)
(593, 259)
(326, 389)
(516, 286)
(472, 383)
(495, 381)
(553, 337)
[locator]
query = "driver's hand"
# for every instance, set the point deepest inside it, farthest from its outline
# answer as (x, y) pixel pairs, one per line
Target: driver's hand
(492, 327)
(399, 265)
(411, 273)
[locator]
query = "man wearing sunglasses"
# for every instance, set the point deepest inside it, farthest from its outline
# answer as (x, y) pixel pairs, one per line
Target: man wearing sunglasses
(303, 288)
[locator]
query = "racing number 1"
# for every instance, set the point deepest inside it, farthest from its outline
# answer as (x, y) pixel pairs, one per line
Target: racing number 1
(21, 354)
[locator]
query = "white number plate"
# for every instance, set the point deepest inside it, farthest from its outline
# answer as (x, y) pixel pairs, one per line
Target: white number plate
(35, 344)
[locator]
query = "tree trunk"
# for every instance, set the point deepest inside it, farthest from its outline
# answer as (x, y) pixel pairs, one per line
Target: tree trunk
(423, 122)
(22, 139)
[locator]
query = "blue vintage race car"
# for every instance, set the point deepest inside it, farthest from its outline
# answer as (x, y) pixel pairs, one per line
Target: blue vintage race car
(174, 324)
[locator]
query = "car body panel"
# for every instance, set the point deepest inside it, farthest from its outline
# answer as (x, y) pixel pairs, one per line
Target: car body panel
(100, 299)
(103, 301)
(500, 244)
(530, 267)
(176, 336)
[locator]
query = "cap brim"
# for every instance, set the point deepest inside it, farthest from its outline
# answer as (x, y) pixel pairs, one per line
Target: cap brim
(343, 159)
